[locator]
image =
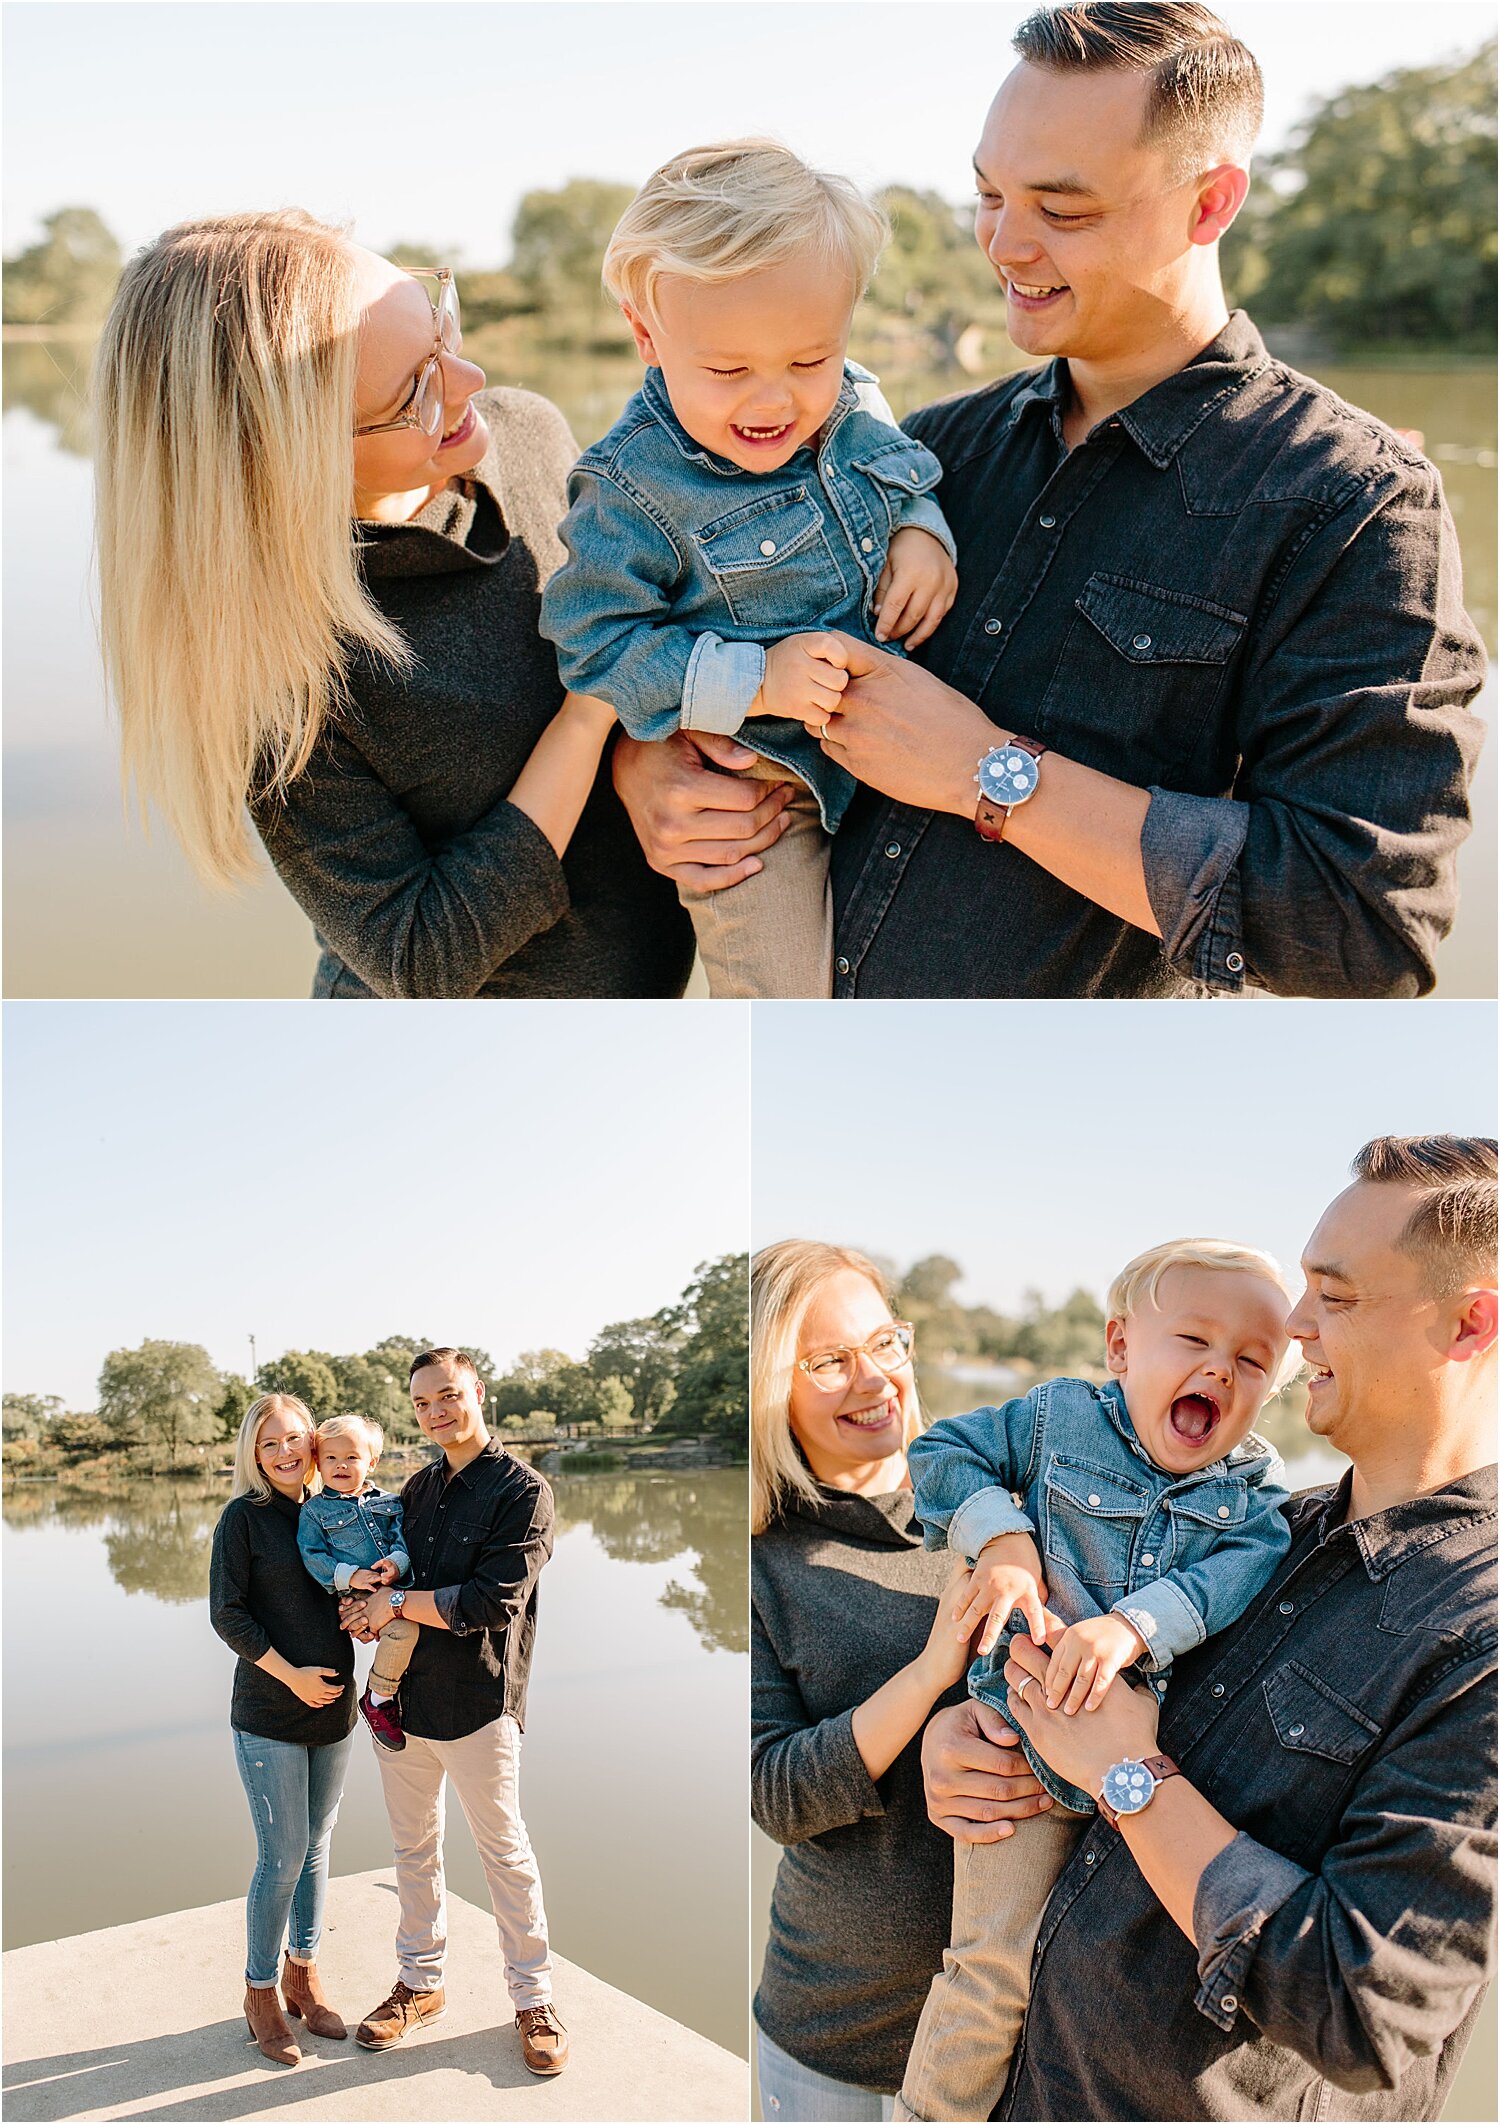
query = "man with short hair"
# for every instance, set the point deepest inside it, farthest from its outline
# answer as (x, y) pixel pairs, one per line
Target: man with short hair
(478, 1531)
(1290, 1914)
(1197, 720)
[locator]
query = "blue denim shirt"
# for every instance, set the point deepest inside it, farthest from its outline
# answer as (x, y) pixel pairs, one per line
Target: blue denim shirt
(681, 565)
(341, 1535)
(1180, 1556)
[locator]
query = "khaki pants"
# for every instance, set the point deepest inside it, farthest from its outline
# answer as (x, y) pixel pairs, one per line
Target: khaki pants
(393, 1651)
(972, 2020)
(772, 935)
(484, 1769)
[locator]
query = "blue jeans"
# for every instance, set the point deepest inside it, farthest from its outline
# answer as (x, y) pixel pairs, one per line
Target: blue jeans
(294, 1793)
(794, 2094)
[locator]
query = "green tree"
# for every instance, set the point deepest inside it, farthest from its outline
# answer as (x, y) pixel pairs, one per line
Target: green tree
(77, 1435)
(1376, 224)
(557, 248)
(933, 275)
(29, 1415)
(1065, 1338)
(367, 1386)
(163, 1393)
(235, 1397)
(644, 1354)
(613, 1403)
(69, 277)
(308, 1374)
(713, 1376)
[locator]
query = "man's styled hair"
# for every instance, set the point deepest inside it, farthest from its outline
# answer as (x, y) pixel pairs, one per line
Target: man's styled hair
(1452, 1227)
(718, 213)
(423, 1358)
(1136, 1285)
(1205, 99)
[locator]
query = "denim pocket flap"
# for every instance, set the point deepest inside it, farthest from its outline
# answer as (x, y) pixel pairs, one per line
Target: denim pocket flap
(1150, 626)
(761, 534)
(338, 1522)
(1096, 1490)
(1312, 1719)
(902, 464)
(1215, 1504)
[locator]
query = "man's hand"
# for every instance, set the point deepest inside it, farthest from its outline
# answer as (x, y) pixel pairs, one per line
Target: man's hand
(1007, 1576)
(1079, 1749)
(801, 683)
(979, 1784)
(904, 732)
(916, 589)
(700, 823)
(1086, 1659)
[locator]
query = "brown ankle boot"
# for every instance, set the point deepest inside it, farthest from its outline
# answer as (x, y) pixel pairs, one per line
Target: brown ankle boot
(305, 2001)
(263, 2013)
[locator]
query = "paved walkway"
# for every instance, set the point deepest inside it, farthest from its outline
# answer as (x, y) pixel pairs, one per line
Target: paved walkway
(144, 2021)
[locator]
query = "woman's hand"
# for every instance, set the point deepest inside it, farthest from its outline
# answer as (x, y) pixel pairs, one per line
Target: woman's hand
(699, 823)
(317, 1686)
(979, 1784)
(354, 1618)
(944, 1659)
(1079, 1749)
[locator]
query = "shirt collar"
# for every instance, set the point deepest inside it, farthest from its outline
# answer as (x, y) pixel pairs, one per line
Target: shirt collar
(491, 1450)
(1160, 421)
(1386, 1539)
(659, 403)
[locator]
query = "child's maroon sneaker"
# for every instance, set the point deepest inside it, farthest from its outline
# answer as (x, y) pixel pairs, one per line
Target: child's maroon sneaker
(383, 1722)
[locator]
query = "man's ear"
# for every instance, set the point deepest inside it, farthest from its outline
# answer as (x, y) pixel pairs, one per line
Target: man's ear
(1474, 1325)
(1114, 1347)
(478, 1388)
(1220, 197)
(642, 332)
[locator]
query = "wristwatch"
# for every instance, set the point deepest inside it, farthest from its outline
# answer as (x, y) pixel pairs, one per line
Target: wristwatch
(398, 1601)
(1130, 1786)
(1008, 775)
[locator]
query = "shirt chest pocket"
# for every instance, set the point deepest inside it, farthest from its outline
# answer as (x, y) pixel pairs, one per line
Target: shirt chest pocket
(1203, 1517)
(1092, 1515)
(897, 472)
(772, 563)
(1141, 673)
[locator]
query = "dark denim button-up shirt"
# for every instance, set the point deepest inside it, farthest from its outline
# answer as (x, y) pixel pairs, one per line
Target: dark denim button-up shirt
(1241, 594)
(1346, 1726)
(477, 1540)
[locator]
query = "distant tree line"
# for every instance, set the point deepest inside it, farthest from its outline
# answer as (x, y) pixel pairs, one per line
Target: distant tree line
(1066, 1338)
(679, 1372)
(1374, 226)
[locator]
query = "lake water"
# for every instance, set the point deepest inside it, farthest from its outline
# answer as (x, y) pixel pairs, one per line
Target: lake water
(94, 908)
(122, 1800)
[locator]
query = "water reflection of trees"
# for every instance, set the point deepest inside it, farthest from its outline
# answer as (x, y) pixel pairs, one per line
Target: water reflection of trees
(654, 1518)
(50, 379)
(157, 1535)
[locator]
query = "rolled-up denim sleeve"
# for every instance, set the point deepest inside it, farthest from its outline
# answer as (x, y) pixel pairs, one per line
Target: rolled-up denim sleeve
(968, 1473)
(1373, 1960)
(1329, 869)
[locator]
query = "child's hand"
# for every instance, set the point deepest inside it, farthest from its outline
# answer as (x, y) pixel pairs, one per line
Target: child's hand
(916, 589)
(803, 680)
(384, 1572)
(1086, 1659)
(316, 1692)
(1007, 1576)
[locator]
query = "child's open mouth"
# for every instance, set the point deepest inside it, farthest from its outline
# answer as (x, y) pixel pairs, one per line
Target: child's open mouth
(1194, 1418)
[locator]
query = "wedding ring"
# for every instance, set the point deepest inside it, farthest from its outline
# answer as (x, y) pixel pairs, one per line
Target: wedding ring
(1018, 1689)
(822, 733)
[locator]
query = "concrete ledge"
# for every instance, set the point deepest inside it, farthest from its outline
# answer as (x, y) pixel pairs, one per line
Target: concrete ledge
(144, 2020)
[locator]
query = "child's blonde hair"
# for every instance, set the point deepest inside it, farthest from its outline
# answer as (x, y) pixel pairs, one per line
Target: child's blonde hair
(784, 1280)
(718, 213)
(353, 1427)
(249, 1480)
(1137, 1282)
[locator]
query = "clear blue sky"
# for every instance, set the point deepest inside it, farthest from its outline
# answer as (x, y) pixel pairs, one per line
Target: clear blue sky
(517, 1176)
(430, 121)
(1046, 1143)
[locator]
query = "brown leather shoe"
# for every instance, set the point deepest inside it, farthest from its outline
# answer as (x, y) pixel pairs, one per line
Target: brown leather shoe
(263, 2014)
(303, 1997)
(544, 2040)
(394, 2017)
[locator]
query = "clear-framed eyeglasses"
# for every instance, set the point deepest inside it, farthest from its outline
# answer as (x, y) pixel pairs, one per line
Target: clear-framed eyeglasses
(424, 408)
(835, 1369)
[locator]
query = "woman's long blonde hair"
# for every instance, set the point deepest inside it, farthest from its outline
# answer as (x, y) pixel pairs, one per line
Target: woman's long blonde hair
(230, 597)
(784, 1279)
(249, 1479)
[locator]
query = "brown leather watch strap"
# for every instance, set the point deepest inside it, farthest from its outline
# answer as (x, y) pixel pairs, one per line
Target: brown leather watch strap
(1161, 1767)
(990, 818)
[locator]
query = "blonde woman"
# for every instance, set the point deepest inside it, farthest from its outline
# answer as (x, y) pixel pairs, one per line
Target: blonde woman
(374, 691)
(854, 1646)
(292, 1712)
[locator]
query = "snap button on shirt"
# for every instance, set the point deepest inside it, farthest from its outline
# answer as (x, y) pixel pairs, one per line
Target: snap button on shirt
(1223, 1511)
(1148, 1559)
(1235, 961)
(1141, 641)
(1048, 523)
(867, 545)
(893, 849)
(1093, 1497)
(1286, 1607)
(768, 545)
(993, 627)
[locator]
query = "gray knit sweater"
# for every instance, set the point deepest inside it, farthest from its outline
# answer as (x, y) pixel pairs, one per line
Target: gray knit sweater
(397, 839)
(842, 1596)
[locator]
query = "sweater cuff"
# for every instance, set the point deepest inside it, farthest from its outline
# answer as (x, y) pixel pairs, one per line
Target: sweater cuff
(721, 681)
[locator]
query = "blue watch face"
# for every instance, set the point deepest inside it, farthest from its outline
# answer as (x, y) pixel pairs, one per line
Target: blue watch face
(1007, 775)
(1128, 1786)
